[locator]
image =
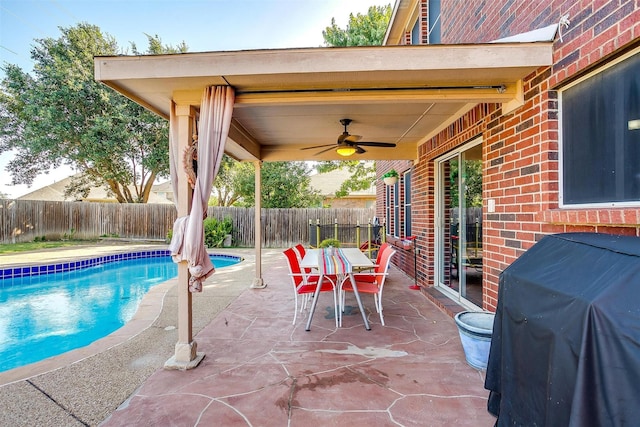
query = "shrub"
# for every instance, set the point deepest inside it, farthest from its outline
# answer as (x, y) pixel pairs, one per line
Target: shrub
(330, 242)
(215, 231)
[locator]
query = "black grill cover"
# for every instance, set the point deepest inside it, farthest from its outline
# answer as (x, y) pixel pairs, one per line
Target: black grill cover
(565, 349)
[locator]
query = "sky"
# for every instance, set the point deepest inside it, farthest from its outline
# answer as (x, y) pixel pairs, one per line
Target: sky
(204, 25)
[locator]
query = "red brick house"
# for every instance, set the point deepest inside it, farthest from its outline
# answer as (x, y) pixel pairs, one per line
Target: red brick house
(566, 159)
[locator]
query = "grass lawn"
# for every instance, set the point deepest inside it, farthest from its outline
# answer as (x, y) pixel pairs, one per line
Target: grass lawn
(34, 246)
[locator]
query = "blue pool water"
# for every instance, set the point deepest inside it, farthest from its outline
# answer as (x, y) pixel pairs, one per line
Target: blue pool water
(44, 315)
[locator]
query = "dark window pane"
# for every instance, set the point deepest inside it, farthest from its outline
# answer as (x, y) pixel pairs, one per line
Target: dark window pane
(415, 33)
(434, 22)
(601, 156)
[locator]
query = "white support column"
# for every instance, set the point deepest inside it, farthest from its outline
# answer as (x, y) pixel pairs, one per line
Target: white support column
(258, 282)
(186, 355)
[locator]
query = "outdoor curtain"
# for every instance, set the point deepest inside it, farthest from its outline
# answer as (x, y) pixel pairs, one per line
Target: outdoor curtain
(187, 243)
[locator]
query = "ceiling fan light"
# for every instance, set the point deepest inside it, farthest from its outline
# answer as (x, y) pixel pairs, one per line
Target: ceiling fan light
(346, 151)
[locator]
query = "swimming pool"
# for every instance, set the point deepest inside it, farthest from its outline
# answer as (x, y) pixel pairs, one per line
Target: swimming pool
(48, 310)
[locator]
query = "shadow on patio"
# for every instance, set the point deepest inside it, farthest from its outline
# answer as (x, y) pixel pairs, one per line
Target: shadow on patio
(260, 370)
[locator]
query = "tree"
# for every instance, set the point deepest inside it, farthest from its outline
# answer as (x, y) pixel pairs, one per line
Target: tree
(226, 186)
(363, 174)
(362, 30)
(472, 183)
(61, 115)
(284, 185)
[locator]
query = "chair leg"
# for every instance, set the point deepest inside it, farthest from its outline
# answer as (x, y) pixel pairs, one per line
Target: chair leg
(336, 309)
(295, 310)
(342, 297)
(378, 302)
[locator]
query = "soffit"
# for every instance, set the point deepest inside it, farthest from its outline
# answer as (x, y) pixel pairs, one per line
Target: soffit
(287, 99)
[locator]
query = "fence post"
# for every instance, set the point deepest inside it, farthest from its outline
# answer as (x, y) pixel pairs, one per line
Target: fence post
(384, 231)
(477, 233)
(370, 236)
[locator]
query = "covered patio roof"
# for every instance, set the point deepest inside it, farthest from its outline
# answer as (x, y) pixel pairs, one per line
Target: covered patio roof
(288, 99)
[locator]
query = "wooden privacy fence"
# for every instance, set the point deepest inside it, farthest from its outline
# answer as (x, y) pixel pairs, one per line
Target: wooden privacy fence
(26, 220)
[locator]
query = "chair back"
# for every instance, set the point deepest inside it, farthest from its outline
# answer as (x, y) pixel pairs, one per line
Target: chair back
(300, 249)
(381, 249)
(385, 260)
(294, 266)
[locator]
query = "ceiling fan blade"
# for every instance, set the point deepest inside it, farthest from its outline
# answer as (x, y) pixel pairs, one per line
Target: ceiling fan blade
(333, 147)
(376, 144)
(353, 138)
(318, 146)
(360, 150)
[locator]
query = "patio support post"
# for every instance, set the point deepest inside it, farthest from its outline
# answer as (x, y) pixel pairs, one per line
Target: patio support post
(258, 282)
(186, 355)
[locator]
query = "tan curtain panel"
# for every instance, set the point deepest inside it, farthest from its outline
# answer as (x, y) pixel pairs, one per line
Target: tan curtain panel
(187, 243)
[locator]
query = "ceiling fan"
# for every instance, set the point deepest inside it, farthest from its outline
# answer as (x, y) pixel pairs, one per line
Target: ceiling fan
(348, 144)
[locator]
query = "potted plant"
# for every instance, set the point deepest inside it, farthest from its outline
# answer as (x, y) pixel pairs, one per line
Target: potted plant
(391, 177)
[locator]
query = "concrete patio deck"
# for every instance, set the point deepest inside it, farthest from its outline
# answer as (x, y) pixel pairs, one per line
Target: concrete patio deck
(260, 370)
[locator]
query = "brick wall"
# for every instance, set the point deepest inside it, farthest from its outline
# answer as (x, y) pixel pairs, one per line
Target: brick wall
(520, 149)
(403, 258)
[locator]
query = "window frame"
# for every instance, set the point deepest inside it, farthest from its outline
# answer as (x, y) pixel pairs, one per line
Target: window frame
(561, 147)
(407, 216)
(396, 209)
(387, 208)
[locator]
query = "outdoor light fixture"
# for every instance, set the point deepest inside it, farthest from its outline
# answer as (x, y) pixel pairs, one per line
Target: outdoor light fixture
(346, 150)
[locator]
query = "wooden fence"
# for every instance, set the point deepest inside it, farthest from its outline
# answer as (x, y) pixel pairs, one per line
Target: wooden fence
(26, 220)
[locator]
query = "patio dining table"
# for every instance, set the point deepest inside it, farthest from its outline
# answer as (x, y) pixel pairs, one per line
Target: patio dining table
(340, 262)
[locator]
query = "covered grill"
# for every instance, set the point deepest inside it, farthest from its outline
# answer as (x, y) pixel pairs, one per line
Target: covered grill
(565, 349)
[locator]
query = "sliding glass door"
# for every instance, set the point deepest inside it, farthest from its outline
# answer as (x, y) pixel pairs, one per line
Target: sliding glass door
(459, 224)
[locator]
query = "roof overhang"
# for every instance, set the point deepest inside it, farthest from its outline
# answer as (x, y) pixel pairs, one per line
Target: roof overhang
(288, 99)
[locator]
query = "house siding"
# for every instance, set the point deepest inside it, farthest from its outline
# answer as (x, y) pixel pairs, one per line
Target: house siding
(521, 148)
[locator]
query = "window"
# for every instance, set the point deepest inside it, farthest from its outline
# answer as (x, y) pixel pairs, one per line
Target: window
(600, 138)
(387, 207)
(407, 203)
(396, 209)
(415, 33)
(434, 22)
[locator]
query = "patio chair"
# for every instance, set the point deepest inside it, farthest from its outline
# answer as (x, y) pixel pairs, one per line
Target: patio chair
(301, 250)
(381, 249)
(305, 284)
(370, 283)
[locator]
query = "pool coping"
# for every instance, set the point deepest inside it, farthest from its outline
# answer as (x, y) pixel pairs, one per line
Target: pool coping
(28, 270)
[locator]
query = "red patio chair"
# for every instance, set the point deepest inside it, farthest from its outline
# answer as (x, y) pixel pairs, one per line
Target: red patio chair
(370, 283)
(305, 284)
(381, 249)
(301, 250)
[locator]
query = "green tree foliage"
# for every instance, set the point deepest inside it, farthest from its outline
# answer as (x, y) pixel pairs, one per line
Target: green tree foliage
(362, 30)
(472, 183)
(61, 115)
(284, 185)
(226, 186)
(363, 174)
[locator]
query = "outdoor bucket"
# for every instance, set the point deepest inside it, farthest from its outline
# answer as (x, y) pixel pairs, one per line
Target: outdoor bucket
(475, 329)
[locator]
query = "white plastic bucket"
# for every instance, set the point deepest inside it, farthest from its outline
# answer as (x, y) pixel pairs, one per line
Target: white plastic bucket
(475, 328)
